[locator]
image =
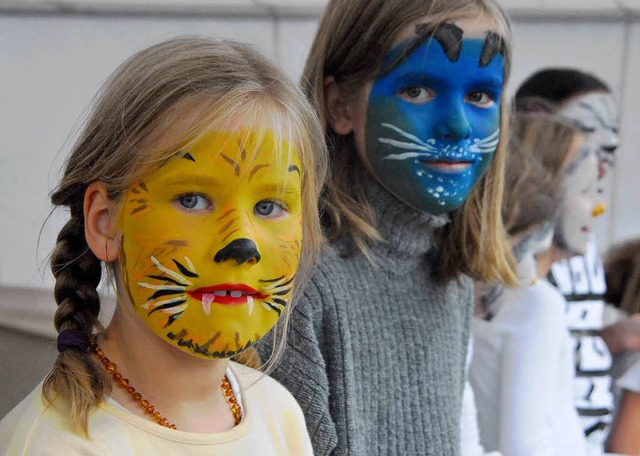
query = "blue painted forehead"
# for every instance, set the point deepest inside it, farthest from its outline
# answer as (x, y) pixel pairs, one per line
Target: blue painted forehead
(450, 38)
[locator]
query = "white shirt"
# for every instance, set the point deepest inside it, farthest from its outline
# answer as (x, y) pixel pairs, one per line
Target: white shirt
(522, 373)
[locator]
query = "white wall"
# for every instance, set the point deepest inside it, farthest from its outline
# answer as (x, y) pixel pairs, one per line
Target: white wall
(52, 63)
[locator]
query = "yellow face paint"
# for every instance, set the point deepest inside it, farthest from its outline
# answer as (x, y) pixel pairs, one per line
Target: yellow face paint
(212, 240)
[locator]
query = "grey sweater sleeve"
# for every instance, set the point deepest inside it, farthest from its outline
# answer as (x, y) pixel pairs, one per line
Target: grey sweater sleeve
(302, 369)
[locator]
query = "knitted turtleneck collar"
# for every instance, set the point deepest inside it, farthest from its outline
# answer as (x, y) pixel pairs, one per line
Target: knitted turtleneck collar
(406, 232)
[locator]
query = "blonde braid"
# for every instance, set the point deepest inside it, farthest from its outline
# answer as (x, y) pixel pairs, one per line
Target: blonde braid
(75, 376)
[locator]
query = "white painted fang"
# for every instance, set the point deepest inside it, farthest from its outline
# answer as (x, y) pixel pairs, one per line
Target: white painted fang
(250, 304)
(207, 299)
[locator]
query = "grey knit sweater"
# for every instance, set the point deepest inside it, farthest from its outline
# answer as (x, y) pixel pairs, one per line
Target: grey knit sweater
(375, 354)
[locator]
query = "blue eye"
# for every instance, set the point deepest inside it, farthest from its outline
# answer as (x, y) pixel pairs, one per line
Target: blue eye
(269, 209)
(193, 201)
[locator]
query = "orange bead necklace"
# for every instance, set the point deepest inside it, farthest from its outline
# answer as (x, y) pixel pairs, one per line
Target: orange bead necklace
(149, 409)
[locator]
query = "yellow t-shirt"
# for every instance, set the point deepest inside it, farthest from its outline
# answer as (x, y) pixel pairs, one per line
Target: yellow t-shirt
(272, 424)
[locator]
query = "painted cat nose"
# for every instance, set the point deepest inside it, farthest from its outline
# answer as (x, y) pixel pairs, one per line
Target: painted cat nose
(241, 250)
(599, 210)
(454, 128)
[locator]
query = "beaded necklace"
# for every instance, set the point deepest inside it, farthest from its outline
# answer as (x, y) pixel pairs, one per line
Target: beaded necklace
(149, 409)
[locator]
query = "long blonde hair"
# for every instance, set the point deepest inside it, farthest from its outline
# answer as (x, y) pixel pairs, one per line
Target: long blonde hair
(198, 83)
(540, 146)
(353, 38)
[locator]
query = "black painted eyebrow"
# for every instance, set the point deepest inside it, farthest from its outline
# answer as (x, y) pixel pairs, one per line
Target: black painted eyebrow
(449, 36)
(294, 168)
(493, 45)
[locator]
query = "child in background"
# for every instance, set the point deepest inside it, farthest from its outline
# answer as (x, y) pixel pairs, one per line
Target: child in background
(522, 370)
(411, 96)
(586, 101)
(622, 273)
(195, 181)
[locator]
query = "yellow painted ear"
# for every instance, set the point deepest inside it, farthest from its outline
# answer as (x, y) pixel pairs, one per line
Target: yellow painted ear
(100, 216)
(337, 108)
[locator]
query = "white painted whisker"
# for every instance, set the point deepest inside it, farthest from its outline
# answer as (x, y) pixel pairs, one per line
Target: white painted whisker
(404, 133)
(168, 301)
(169, 272)
(161, 287)
(406, 145)
(190, 264)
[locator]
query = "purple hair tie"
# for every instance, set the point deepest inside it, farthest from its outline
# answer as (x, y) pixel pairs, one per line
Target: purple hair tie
(73, 338)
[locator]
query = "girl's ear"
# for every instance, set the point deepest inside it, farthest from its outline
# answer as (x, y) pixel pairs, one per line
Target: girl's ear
(100, 216)
(338, 116)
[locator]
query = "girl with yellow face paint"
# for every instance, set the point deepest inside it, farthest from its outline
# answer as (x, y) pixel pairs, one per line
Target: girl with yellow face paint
(196, 181)
(211, 242)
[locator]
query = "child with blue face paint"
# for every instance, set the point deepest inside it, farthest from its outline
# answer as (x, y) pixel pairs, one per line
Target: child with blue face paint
(433, 121)
(410, 93)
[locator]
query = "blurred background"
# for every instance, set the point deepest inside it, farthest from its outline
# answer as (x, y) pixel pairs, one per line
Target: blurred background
(55, 54)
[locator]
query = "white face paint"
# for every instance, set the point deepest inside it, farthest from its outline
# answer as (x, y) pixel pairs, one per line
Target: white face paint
(595, 113)
(538, 241)
(580, 198)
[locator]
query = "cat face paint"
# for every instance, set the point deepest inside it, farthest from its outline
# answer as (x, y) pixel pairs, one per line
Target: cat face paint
(433, 122)
(595, 114)
(580, 204)
(211, 243)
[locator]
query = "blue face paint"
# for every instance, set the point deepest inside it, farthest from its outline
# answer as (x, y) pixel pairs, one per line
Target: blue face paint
(433, 122)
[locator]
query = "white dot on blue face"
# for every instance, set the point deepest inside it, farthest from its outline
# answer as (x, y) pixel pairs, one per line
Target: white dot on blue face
(439, 188)
(440, 179)
(420, 173)
(437, 195)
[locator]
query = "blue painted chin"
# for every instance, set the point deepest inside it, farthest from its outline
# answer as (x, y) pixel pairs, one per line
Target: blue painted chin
(432, 184)
(432, 176)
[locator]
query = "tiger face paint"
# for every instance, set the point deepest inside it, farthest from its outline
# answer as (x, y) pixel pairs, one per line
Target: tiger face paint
(580, 203)
(595, 113)
(433, 121)
(211, 242)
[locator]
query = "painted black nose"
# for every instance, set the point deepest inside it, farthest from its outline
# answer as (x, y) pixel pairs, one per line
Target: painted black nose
(241, 250)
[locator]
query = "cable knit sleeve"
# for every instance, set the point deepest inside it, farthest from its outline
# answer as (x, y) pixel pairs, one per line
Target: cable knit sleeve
(302, 368)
